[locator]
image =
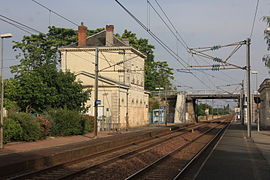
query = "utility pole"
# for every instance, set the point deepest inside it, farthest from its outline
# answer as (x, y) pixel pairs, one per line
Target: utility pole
(166, 106)
(96, 94)
(2, 36)
(2, 100)
(258, 117)
(242, 94)
(248, 90)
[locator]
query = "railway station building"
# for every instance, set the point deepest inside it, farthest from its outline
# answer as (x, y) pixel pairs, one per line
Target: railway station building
(123, 100)
(264, 91)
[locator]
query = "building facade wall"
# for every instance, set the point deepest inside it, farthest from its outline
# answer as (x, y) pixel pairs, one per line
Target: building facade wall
(265, 108)
(122, 107)
(82, 59)
(265, 104)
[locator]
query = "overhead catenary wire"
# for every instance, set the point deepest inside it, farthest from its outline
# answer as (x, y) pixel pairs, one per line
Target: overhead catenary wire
(21, 24)
(254, 18)
(199, 53)
(182, 41)
(52, 11)
(176, 31)
(159, 41)
(118, 63)
(168, 49)
(19, 27)
(28, 29)
(166, 24)
(205, 69)
(233, 52)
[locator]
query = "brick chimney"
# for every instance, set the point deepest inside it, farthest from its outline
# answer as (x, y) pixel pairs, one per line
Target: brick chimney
(109, 35)
(82, 30)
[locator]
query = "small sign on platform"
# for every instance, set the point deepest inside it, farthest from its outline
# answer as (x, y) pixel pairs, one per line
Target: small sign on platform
(98, 102)
(162, 107)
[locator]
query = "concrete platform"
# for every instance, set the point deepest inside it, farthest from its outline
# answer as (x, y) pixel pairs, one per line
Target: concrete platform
(237, 157)
(26, 156)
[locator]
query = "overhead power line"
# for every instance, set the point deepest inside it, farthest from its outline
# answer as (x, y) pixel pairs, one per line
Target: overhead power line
(254, 18)
(212, 69)
(200, 52)
(159, 41)
(22, 29)
(182, 41)
(184, 45)
(19, 25)
(171, 23)
(52, 11)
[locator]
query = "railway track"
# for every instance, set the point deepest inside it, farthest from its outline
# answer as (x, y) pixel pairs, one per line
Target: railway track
(127, 160)
(173, 165)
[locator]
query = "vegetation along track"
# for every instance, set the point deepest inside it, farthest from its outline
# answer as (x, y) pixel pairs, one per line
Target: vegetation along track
(118, 163)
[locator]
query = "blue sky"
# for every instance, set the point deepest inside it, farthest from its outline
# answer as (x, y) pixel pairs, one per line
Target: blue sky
(201, 23)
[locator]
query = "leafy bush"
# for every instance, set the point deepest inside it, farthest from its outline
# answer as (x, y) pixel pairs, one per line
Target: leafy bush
(153, 103)
(87, 123)
(12, 130)
(30, 126)
(45, 125)
(10, 105)
(65, 122)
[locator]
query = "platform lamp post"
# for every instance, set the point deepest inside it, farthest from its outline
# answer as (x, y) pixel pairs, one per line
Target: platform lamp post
(3, 36)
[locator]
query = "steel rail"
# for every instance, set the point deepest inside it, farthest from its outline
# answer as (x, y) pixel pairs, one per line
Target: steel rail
(164, 137)
(125, 155)
(211, 152)
(218, 135)
(146, 168)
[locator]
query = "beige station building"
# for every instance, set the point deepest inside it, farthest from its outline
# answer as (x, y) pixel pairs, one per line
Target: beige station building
(264, 91)
(123, 100)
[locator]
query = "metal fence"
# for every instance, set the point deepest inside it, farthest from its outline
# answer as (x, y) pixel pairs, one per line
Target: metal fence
(106, 124)
(166, 93)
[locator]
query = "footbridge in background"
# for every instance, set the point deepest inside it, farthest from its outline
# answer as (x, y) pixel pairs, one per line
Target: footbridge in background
(182, 103)
(192, 95)
(213, 94)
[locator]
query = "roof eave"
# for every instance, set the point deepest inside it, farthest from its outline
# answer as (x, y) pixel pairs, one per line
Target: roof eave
(103, 48)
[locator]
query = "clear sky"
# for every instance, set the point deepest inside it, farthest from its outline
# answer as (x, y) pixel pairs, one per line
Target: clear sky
(200, 23)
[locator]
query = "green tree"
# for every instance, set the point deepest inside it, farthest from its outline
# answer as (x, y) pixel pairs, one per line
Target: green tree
(163, 74)
(153, 103)
(37, 51)
(38, 84)
(36, 92)
(11, 87)
(153, 70)
(266, 58)
(200, 108)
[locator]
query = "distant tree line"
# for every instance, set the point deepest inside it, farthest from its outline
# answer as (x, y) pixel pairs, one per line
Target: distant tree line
(202, 108)
(266, 58)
